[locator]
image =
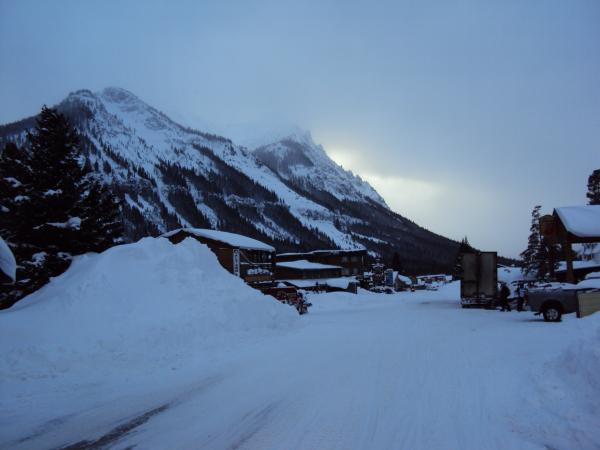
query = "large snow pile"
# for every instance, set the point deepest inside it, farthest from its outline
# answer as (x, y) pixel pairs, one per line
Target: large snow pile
(142, 303)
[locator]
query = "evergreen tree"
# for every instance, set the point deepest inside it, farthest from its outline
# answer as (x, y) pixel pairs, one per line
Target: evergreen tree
(15, 188)
(593, 196)
(540, 257)
(531, 254)
(548, 259)
(57, 186)
(53, 209)
(396, 263)
(593, 193)
(101, 225)
(463, 248)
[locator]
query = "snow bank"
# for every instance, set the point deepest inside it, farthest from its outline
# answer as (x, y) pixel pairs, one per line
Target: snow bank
(150, 301)
(344, 301)
(581, 360)
(570, 387)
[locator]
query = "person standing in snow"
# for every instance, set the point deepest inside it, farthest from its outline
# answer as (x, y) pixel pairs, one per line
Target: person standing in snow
(520, 297)
(504, 293)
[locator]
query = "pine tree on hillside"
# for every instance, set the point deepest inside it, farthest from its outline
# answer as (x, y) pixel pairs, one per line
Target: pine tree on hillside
(15, 187)
(463, 248)
(54, 210)
(593, 193)
(396, 263)
(101, 226)
(16, 223)
(57, 186)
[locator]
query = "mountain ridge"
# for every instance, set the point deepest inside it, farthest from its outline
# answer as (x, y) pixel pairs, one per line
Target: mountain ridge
(288, 193)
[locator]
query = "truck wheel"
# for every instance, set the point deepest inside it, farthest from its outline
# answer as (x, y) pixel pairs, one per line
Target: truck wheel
(552, 313)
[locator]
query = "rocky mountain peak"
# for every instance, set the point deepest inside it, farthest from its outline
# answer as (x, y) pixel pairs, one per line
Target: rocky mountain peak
(288, 193)
(119, 95)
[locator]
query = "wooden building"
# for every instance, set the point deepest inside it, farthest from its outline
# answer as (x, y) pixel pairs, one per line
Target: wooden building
(305, 270)
(248, 258)
(571, 225)
(352, 262)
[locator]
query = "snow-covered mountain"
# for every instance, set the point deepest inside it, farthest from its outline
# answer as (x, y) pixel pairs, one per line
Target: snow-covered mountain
(300, 161)
(288, 193)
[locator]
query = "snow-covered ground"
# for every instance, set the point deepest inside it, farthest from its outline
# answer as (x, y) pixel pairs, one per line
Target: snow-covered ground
(369, 371)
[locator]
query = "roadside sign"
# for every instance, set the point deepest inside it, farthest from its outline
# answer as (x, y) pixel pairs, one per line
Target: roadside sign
(236, 262)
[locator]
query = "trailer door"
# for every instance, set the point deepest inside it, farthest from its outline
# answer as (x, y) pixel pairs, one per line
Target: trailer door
(488, 279)
(469, 283)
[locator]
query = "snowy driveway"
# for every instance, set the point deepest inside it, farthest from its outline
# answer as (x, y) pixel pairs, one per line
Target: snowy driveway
(405, 371)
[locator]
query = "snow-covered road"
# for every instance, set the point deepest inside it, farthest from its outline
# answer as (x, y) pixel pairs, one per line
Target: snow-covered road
(404, 371)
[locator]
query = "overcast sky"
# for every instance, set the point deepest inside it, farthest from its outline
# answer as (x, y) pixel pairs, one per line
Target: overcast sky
(463, 114)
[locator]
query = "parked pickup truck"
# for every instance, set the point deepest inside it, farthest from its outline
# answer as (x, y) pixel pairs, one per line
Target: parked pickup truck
(555, 300)
(552, 303)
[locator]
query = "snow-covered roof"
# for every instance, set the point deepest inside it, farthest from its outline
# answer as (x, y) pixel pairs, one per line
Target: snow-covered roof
(592, 276)
(341, 282)
(321, 252)
(306, 265)
(562, 265)
(235, 240)
(582, 221)
(8, 265)
(404, 279)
